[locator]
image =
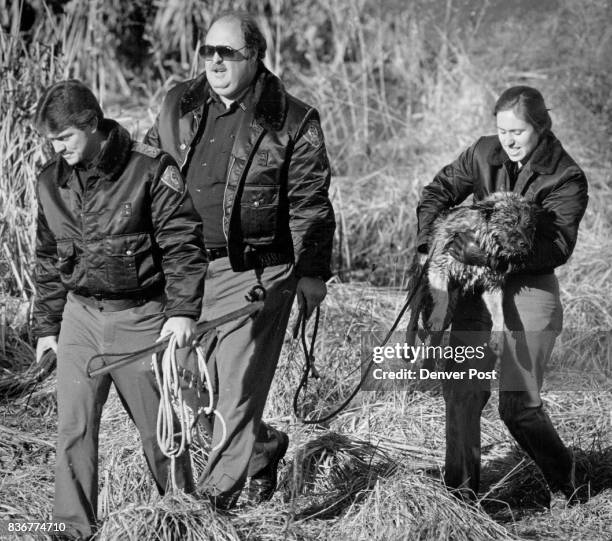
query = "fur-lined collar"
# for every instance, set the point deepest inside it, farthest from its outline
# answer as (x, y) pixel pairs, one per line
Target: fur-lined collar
(111, 160)
(269, 96)
(544, 158)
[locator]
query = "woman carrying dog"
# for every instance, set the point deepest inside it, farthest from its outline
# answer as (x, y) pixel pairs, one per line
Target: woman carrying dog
(524, 157)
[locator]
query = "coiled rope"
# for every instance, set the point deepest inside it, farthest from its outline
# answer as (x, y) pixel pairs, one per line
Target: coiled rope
(173, 443)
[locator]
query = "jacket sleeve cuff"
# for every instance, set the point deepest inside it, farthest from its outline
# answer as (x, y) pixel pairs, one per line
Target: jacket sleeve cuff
(181, 313)
(47, 331)
(314, 276)
(313, 272)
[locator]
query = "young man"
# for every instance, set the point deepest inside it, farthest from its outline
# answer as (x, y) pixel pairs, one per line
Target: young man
(119, 261)
(255, 163)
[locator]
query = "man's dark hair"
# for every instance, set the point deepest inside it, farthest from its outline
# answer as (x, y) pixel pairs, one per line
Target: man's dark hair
(67, 104)
(528, 104)
(253, 37)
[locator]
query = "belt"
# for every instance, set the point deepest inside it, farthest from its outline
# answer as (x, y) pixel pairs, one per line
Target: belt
(112, 305)
(261, 257)
(216, 253)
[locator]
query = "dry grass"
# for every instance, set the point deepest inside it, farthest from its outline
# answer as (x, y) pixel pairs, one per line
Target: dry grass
(373, 473)
(175, 516)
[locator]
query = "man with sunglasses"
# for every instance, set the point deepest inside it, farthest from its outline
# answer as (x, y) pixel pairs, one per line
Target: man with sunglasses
(256, 166)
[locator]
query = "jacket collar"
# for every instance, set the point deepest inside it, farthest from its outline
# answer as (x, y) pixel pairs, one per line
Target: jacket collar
(543, 160)
(269, 97)
(111, 160)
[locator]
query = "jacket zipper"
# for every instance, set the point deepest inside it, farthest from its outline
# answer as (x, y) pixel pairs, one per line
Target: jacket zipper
(185, 159)
(83, 232)
(227, 177)
(229, 172)
(188, 149)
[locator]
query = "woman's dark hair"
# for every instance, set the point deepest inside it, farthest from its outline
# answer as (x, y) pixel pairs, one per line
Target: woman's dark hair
(67, 104)
(528, 104)
(253, 37)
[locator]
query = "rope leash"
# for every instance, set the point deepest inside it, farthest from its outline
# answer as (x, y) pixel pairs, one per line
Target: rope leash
(210, 409)
(168, 377)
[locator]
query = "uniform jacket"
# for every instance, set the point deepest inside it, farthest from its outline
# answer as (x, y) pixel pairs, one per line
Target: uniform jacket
(132, 230)
(276, 206)
(551, 178)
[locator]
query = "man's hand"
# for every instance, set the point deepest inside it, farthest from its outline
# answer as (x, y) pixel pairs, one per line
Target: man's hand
(464, 248)
(184, 328)
(310, 293)
(44, 343)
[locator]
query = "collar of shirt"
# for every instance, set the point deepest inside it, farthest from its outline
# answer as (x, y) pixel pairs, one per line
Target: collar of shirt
(245, 101)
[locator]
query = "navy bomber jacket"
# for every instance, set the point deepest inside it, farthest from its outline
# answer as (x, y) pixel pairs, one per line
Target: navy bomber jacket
(550, 178)
(131, 230)
(276, 206)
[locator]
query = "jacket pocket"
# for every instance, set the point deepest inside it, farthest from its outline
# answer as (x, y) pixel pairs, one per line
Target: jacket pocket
(129, 259)
(259, 214)
(66, 262)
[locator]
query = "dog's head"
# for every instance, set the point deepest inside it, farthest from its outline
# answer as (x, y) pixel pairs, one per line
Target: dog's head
(511, 222)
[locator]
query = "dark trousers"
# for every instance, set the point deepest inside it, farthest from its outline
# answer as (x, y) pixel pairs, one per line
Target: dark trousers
(87, 331)
(242, 357)
(533, 318)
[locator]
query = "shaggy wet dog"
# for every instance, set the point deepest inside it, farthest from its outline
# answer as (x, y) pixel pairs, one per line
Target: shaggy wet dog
(504, 226)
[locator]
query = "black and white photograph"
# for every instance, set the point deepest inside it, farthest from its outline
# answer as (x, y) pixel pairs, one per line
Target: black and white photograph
(306, 270)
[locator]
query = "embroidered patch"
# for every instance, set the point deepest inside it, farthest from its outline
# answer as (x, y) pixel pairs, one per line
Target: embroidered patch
(262, 159)
(313, 134)
(173, 179)
(147, 150)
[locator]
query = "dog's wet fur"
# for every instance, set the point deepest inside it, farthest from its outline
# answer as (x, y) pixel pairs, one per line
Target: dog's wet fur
(504, 226)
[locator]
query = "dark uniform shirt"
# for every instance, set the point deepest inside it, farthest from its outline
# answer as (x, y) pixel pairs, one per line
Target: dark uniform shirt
(87, 177)
(207, 172)
(513, 173)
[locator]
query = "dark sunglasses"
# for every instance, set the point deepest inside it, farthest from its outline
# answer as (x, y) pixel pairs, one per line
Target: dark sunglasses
(225, 52)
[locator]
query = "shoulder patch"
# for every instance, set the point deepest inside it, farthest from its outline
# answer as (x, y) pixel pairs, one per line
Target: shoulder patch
(313, 134)
(147, 150)
(173, 179)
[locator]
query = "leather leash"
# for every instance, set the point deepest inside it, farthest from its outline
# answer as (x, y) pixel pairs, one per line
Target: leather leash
(105, 364)
(309, 367)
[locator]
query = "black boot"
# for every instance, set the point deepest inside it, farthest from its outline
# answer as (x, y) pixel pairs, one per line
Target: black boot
(535, 433)
(263, 484)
